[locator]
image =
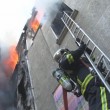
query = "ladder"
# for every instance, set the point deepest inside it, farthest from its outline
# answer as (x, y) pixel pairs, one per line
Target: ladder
(101, 60)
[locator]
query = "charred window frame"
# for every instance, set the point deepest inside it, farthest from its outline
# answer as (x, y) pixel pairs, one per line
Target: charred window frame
(58, 26)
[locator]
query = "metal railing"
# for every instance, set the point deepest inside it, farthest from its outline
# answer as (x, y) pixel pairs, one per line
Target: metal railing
(101, 60)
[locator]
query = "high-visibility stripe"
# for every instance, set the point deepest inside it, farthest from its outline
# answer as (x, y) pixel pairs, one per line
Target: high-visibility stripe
(79, 81)
(85, 83)
(103, 98)
(70, 58)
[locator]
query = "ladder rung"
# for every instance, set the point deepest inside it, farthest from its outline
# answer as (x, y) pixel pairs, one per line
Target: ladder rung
(105, 63)
(100, 60)
(78, 33)
(63, 17)
(75, 29)
(93, 51)
(72, 26)
(66, 18)
(88, 42)
(108, 73)
(69, 23)
(82, 38)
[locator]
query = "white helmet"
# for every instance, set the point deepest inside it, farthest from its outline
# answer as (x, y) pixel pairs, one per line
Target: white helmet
(58, 54)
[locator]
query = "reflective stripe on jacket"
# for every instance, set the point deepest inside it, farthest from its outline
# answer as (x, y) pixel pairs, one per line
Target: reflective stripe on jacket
(85, 82)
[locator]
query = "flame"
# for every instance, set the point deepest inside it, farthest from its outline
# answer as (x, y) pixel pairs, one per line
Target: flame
(36, 22)
(35, 25)
(11, 61)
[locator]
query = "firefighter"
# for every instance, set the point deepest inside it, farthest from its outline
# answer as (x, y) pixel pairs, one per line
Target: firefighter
(95, 93)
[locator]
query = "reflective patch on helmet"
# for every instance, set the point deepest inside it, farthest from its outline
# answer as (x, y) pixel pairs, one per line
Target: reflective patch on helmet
(70, 58)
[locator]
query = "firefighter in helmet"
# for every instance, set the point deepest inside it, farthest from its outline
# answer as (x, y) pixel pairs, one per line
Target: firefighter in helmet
(95, 93)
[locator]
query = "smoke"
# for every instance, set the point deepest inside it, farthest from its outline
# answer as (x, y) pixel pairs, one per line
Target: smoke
(49, 7)
(7, 89)
(7, 92)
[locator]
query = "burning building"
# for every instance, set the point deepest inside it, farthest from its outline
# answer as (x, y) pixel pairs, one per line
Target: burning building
(7, 87)
(38, 54)
(25, 95)
(15, 83)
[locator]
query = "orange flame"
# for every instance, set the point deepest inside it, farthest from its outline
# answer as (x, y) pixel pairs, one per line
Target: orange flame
(36, 22)
(35, 25)
(11, 61)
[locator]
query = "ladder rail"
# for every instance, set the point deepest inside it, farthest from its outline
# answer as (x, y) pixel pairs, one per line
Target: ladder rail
(106, 64)
(102, 54)
(106, 77)
(99, 73)
(101, 57)
(68, 28)
(78, 33)
(92, 51)
(86, 36)
(82, 37)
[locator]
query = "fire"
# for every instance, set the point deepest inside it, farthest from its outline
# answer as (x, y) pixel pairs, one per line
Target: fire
(36, 22)
(35, 25)
(11, 61)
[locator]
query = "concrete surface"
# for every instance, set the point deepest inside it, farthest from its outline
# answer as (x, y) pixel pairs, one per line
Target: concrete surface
(94, 19)
(42, 65)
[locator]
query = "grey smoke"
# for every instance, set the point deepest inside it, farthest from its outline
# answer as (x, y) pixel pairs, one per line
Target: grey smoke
(49, 7)
(7, 95)
(7, 89)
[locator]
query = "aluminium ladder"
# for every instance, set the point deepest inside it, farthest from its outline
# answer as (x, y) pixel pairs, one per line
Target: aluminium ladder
(100, 58)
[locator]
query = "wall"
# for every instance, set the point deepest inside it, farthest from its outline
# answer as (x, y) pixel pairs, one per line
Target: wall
(41, 66)
(94, 19)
